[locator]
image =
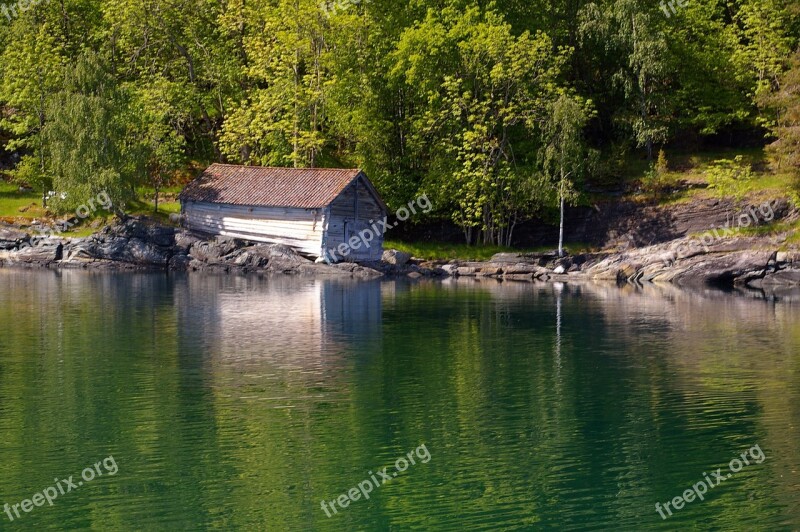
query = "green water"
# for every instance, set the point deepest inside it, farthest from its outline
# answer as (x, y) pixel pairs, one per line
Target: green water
(242, 403)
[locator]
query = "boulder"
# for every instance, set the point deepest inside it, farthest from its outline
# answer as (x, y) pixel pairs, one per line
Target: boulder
(520, 268)
(518, 276)
(731, 269)
(184, 240)
(179, 262)
(43, 252)
(395, 257)
(144, 253)
(11, 238)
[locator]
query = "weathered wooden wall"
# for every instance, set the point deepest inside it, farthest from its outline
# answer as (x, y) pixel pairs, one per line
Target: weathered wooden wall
(353, 211)
(301, 229)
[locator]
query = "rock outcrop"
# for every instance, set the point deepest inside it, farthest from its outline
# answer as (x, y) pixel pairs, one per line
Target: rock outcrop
(138, 243)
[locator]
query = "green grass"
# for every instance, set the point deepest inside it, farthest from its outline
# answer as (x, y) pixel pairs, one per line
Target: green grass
(688, 174)
(145, 207)
(775, 228)
(444, 251)
(12, 200)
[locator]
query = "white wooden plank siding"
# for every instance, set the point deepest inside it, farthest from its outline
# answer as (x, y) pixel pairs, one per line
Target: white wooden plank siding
(298, 228)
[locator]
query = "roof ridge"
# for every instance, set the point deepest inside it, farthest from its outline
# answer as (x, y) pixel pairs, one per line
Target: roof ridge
(316, 168)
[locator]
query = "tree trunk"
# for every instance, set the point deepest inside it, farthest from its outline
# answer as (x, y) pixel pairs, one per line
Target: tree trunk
(561, 224)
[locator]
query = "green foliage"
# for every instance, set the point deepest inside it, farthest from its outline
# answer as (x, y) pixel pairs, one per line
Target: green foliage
(783, 104)
(445, 251)
(482, 92)
(99, 156)
(565, 157)
(628, 31)
(29, 173)
(662, 167)
(729, 176)
(451, 97)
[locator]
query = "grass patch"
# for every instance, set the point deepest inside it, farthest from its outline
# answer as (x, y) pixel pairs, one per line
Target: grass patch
(146, 208)
(12, 201)
(445, 251)
(696, 176)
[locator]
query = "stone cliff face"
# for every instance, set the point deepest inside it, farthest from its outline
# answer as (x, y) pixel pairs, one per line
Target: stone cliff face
(624, 223)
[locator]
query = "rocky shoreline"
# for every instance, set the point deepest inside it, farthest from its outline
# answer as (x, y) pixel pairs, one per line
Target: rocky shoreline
(140, 244)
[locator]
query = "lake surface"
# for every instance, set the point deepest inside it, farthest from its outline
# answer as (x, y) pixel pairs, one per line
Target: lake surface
(242, 403)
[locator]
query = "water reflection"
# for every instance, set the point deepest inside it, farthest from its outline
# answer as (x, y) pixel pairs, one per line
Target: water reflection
(283, 322)
(241, 402)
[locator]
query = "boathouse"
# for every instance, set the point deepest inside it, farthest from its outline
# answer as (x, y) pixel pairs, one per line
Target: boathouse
(313, 210)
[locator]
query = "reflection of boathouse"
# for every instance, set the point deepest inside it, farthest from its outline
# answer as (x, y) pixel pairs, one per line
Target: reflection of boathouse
(286, 321)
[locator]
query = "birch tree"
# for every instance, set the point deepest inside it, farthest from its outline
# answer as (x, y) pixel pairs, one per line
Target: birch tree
(564, 154)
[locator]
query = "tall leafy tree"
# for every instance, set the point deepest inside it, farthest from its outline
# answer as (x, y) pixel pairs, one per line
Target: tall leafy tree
(88, 139)
(784, 104)
(483, 90)
(280, 121)
(30, 67)
(629, 32)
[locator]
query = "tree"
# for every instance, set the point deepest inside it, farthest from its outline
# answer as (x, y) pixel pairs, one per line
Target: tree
(158, 129)
(628, 32)
(89, 141)
(564, 154)
(280, 122)
(764, 44)
(482, 90)
(784, 104)
(31, 73)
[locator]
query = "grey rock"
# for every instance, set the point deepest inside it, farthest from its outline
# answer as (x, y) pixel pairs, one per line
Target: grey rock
(11, 238)
(520, 268)
(782, 277)
(145, 253)
(44, 252)
(179, 262)
(395, 257)
(450, 269)
(184, 240)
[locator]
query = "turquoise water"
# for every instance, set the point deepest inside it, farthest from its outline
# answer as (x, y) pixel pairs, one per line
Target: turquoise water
(242, 403)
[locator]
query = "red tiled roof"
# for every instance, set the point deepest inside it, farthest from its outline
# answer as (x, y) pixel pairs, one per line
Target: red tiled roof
(260, 186)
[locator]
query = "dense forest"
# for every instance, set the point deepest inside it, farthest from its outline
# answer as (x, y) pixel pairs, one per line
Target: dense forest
(495, 110)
